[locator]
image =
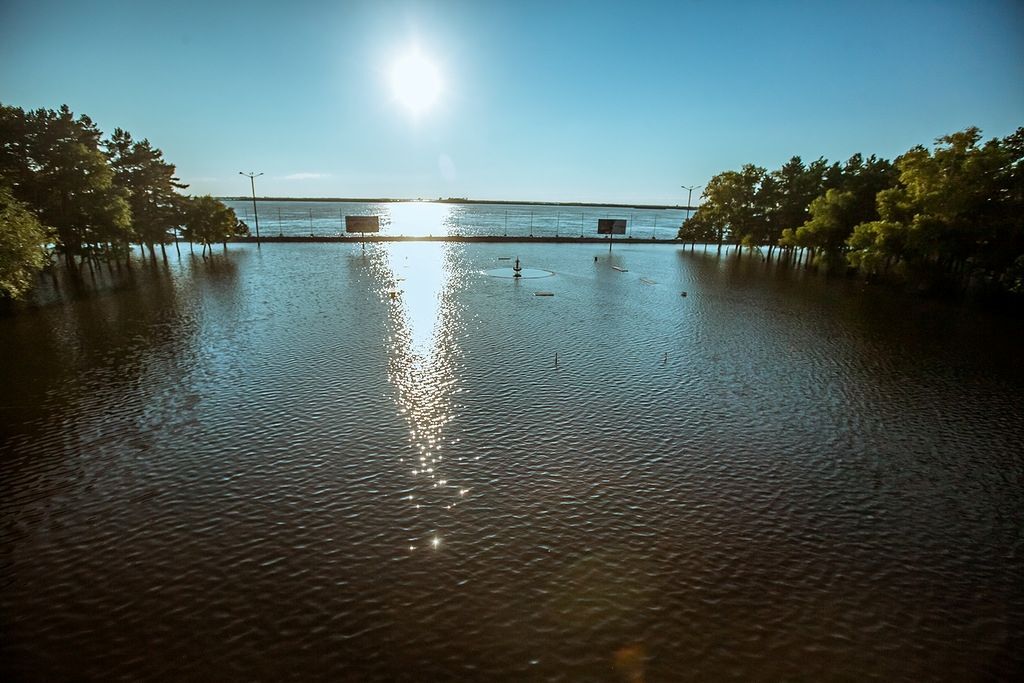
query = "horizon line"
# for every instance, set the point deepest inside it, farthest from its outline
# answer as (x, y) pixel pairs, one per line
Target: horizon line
(455, 200)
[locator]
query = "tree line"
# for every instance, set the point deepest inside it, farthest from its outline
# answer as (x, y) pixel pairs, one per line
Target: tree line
(952, 214)
(66, 189)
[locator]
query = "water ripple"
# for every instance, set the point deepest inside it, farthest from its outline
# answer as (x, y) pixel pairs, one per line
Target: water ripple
(314, 461)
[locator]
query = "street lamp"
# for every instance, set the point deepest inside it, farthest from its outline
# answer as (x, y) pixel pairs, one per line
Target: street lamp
(252, 181)
(689, 197)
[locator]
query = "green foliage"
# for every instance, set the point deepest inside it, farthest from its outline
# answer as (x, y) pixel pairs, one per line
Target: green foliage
(150, 186)
(731, 208)
(208, 220)
(53, 162)
(22, 246)
(831, 221)
(876, 245)
(697, 230)
(955, 209)
(787, 193)
(755, 208)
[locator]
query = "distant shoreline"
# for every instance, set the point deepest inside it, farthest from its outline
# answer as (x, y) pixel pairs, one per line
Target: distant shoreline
(355, 239)
(457, 200)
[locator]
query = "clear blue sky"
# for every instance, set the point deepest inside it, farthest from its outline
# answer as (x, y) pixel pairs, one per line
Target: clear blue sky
(588, 101)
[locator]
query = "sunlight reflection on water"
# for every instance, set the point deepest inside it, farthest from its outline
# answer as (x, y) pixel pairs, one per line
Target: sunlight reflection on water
(423, 218)
(421, 295)
(419, 218)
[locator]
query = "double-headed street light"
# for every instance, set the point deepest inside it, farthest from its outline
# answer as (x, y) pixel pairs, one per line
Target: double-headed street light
(689, 198)
(252, 181)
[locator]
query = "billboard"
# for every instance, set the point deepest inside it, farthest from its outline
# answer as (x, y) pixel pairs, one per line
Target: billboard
(362, 224)
(611, 226)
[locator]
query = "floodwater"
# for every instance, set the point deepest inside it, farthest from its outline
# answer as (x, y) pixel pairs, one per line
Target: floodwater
(308, 461)
(420, 219)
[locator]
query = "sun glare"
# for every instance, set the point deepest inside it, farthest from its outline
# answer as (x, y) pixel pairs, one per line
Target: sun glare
(415, 82)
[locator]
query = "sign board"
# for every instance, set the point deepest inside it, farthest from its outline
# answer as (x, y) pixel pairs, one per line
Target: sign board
(362, 224)
(611, 226)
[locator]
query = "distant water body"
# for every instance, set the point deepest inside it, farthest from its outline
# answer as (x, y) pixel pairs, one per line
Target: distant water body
(314, 462)
(435, 218)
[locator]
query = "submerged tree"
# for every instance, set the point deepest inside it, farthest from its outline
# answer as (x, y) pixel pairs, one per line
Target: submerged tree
(54, 165)
(784, 196)
(731, 209)
(151, 187)
(955, 211)
(208, 221)
(23, 250)
(831, 222)
(696, 229)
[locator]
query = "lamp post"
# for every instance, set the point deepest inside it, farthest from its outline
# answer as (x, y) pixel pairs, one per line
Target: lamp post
(252, 182)
(689, 197)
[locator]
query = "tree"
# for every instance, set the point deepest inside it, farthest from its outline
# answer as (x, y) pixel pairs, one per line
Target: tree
(208, 220)
(956, 211)
(731, 206)
(864, 179)
(151, 187)
(55, 166)
(22, 246)
(14, 163)
(875, 246)
(831, 222)
(696, 230)
(787, 193)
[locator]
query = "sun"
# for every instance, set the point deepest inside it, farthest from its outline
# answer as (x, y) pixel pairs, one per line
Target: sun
(415, 81)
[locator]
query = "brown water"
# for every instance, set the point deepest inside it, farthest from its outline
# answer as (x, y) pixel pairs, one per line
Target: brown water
(307, 462)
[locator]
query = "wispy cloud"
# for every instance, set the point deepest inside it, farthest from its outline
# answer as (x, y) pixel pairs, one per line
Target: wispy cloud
(304, 176)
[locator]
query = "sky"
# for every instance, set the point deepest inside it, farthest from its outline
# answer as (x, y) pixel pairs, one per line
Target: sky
(547, 101)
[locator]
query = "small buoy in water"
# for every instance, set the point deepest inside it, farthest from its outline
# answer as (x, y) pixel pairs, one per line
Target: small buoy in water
(683, 294)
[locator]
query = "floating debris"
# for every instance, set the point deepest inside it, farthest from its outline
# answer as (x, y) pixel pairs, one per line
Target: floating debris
(683, 294)
(621, 270)
(544, 294)
(648, 282)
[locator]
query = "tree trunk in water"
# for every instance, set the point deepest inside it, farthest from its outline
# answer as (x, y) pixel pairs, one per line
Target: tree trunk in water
(163, 251)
